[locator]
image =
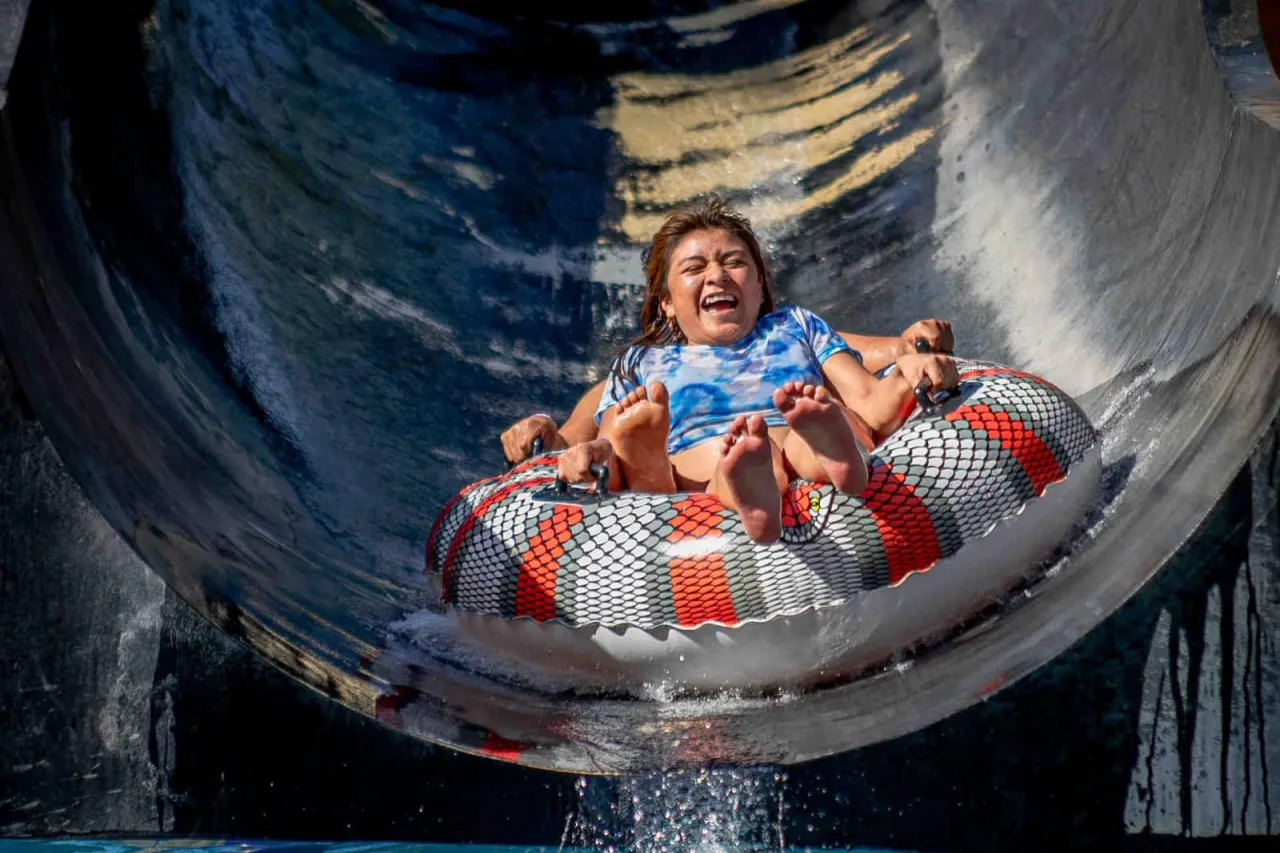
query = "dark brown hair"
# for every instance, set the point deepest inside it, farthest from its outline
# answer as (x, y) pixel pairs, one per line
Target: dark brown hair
(705, 214)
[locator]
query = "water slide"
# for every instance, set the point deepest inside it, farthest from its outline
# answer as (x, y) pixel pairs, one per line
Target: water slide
(275, 276)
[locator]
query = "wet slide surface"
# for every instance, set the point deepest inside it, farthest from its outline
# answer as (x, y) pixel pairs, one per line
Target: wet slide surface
(276, 276)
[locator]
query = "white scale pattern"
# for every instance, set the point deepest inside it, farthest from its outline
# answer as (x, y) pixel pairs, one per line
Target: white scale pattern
(613, 561)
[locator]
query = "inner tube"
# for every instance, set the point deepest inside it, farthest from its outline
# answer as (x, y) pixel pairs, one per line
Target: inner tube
(634, 591)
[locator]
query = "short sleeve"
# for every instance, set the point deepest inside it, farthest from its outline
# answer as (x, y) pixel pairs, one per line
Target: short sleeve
(623, 379)
(821, 338)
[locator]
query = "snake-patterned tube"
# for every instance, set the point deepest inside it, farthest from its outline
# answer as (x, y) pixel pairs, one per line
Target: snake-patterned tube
(635, 587)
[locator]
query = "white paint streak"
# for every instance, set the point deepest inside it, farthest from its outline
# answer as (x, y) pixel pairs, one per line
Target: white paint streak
(1007, 233)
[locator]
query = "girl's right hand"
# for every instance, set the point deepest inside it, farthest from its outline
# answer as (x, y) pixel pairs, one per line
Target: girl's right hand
(517, 441)
(940, 370)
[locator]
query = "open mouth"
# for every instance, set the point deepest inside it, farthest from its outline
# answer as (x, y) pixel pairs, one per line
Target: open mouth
(719, 303)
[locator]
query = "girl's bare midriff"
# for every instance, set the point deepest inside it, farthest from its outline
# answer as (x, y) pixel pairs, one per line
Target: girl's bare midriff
(694, 467)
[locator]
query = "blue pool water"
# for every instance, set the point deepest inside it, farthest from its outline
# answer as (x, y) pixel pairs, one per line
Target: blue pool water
(163, 845)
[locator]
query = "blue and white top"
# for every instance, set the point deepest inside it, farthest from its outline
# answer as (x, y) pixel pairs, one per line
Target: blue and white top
(712, 385)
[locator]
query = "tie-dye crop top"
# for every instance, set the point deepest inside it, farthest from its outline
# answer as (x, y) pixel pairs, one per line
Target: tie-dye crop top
(712, 385)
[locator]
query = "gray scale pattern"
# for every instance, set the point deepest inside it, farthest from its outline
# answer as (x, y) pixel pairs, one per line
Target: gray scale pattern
(966, 480)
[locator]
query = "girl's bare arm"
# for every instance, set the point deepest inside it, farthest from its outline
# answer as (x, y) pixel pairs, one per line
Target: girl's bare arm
(884, 403)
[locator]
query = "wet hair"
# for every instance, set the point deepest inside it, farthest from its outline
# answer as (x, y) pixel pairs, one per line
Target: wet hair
(710, 213)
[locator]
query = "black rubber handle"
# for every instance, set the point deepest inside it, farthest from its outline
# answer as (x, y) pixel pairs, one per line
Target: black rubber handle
(598, 470)
(923, 400)
(601, 472)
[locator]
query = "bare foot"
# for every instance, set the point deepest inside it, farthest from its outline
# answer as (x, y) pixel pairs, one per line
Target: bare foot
(574, 465)
(819, 422)
(638, 435)
(746, 481)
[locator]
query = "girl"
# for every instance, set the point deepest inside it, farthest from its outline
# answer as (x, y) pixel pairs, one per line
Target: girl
(724, 394)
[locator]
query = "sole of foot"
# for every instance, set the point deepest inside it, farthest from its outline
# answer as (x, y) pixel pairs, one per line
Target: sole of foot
(815, 417)
(747, 472)
(639, 437)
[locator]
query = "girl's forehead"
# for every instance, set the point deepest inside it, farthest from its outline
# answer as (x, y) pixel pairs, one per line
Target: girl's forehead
(715, 241)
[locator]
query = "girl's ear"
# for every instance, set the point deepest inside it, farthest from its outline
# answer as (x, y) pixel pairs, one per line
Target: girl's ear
(668, 308)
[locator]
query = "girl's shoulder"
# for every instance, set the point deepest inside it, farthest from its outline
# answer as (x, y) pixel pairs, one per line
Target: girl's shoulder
(638, 360)
(633, 352)
(641, 353)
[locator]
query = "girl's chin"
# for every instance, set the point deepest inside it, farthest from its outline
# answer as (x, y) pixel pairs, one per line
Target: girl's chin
(725, 335)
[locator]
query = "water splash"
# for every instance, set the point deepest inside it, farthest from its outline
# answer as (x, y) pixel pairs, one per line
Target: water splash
(704, 809)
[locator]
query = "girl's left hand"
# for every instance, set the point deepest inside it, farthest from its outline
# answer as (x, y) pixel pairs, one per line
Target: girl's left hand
(940, 370)
(574, 465)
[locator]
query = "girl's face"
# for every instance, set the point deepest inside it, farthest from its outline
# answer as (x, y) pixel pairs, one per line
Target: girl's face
(714, 288)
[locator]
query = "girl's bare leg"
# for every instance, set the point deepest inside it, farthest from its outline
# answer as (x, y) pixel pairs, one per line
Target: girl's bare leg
(751, 478)
(821, 445)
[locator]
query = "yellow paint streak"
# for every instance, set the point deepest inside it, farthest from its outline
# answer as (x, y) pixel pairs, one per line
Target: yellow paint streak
(663, 117)
(752, 166)
(759, 128)
(865, 169)
(640, 226)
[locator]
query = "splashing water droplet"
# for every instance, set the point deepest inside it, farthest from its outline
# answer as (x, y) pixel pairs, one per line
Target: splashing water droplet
(706, 810)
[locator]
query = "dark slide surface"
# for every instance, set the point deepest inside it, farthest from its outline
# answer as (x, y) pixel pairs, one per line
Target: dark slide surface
(276, 274)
